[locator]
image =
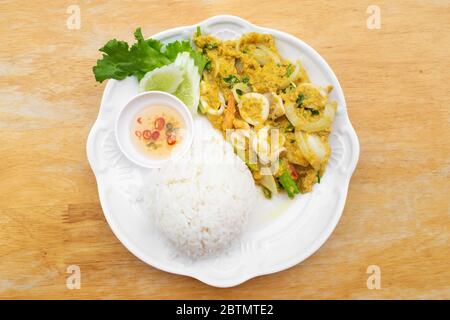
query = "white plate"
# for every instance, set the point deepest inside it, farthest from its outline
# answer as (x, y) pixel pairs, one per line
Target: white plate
(282, 234)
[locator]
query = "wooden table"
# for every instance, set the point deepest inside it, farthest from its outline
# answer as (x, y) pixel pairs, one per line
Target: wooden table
(397, 85)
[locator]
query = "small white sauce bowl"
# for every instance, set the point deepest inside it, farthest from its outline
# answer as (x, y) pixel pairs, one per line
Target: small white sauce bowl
(128, 114)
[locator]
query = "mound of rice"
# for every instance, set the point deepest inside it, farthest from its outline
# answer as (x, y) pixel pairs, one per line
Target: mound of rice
(201, 203)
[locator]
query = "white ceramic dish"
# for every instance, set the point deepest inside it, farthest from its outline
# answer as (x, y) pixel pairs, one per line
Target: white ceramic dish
(282, 234)
(128, 114)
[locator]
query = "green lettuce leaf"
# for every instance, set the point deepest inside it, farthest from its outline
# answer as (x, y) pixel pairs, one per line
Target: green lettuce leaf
(200, 60)
(146, 55)
(115, 63)
(120, 61)
(174, 48)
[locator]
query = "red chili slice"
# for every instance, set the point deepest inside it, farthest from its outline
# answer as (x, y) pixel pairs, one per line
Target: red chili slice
(155, 134)
(139, 120)
(171, 139)
(292, 171)
(138, 134)
(147, 134)
(159, 123)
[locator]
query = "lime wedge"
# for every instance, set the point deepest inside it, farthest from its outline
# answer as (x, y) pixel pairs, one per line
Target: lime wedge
(189, 89)
(167, 79)
(180, 78)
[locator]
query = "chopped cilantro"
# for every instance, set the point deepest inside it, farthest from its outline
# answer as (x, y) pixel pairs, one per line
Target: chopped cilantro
(208, 66)
(300, 99)
(289, 128)
(314, 112)
(231, 79)
(289, 70)
(290, 87)
(210, 46)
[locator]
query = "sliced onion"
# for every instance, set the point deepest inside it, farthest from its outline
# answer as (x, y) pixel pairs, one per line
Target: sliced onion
(237, 139)
(239, 66)
(241, 124)
(239, 86)
(215, 112)
(315, 151)
(260, 144)
(291, 114)
(294, 74)
(276, 105)
(261, 53)
(268, 181)
(212, 111)
(266, 152)
(221, 99)
(276, 154)
(323, 123)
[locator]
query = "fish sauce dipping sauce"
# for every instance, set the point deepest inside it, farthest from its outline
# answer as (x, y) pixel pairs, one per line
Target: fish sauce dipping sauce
(153, 128)
(157, 130)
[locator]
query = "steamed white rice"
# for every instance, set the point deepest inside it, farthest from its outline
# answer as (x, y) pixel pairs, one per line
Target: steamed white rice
(202, 202)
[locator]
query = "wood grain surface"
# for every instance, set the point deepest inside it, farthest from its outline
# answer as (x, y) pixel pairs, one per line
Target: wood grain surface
(397, 85)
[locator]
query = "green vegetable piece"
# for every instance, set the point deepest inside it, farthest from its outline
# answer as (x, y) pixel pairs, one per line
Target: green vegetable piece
(146, 55)
(231, 79)
(289, 70)
(288, 88)
(251, 166)
(208, 65)
(200, 60)
(201, 109)
(174, 48)
(314, 112)
(300, 99)
(289, 184)
(114, 63)
(267, 193)
(210, 46)
(289, 128)
(120, 61)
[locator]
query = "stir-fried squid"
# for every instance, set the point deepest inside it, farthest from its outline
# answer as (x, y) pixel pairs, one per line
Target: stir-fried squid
(281, 121)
